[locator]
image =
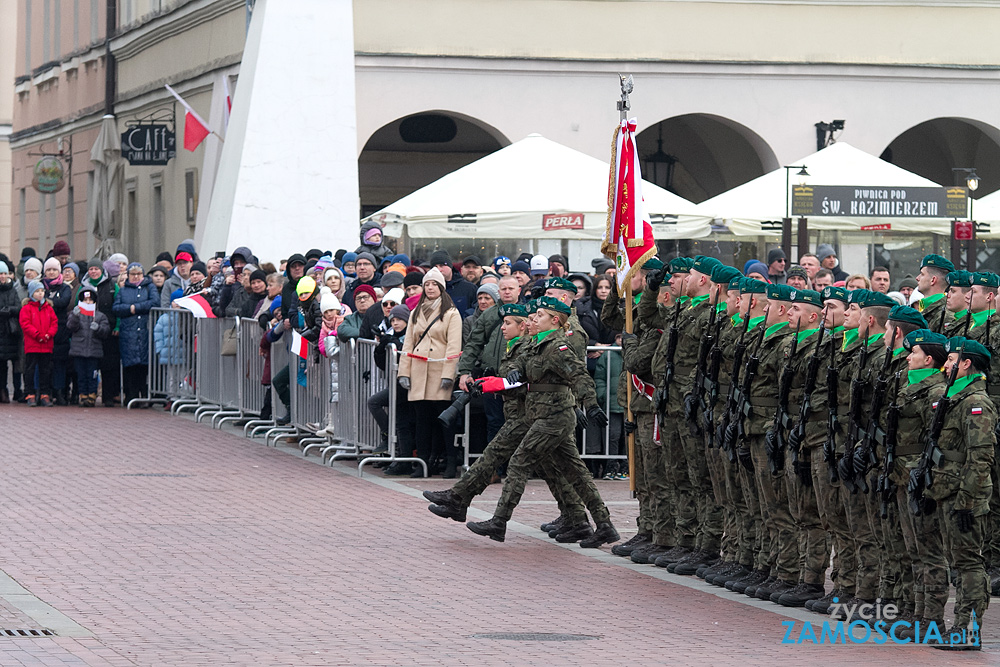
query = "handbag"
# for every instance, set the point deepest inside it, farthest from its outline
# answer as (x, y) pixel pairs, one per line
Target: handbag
(229, 342)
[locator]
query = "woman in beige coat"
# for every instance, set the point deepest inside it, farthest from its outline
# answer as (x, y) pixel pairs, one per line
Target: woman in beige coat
(427, 369)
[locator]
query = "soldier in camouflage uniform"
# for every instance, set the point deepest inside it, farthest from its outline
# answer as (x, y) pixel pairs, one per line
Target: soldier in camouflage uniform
(956, 321)
(760, 404)
(932, 281)
(961, 481)
(805, 315)
(922, 535)
(551, 368)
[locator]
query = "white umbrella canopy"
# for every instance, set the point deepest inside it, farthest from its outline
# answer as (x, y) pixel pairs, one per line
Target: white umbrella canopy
(744, 208)
(533, 188)
(104, 215)
(986, 212)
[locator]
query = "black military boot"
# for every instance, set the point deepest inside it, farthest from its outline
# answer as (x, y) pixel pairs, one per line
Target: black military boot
(455, 511)
(648, 554)
(555, 524)
(495, 529)
(777, 590)
(959, 639)
(706, 571)
(690, 565)
(634, 542)
(738, 571)
(574, 533)
(674, 555)
(752, 579)
(605, 534)
(446, 497)
(822, 605)
(798, 596)
(767, 582)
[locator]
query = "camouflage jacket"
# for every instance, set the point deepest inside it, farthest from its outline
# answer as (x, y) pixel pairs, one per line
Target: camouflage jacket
(967, 443)
(558, 374)
(613, 317)
(692, 323)
(637, 359)
(816, 420)
(729, 339)
(763, 393)
(819, 404)
(513, 399)
(978, 332)
(932, 308)
(954, 324)
(915, 410)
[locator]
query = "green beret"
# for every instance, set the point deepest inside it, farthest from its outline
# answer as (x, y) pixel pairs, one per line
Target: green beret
(531, 307)
(907, 315)
(838, 293)
(725, 274)
(652, 264)
(986, 279)
(513, 310)
(960, 279)
(779, 292)
(752, 286)
(551, 303)
(680, 265)
(705, 264)
(560, 283)
(876, 299)
(924, 338)
(858, 296)
(938, 262)
(968, 348)
(736, 282)
(807, 296)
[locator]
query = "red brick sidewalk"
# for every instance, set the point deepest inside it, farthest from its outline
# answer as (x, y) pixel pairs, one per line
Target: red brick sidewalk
(176, 544)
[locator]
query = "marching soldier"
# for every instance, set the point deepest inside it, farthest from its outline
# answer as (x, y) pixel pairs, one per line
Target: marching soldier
(932, 283)
(956, 301)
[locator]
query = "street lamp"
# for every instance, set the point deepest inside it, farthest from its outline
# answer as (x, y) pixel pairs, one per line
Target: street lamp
(786, 224)
(971, 182)
(802, 174)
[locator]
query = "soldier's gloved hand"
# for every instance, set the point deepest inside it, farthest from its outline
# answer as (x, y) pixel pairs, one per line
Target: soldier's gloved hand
(964, 520)
(628, 338)
(861, 458)
(771, 446)
(659, 399)
(916, 481)
(655, 278)
(795, 438)
(581, 419)
(690, 406)
(476, 387)
(404, 383)
(732, 432)
(514, 376)
(743, 456)
(629, 427)
(597, 414)
(845, 468)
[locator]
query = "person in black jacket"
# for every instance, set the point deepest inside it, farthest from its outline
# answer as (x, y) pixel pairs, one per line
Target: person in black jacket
(305, 317)
(378, 404)
(110, 365)
(10, 330)
(461, 291)
(61, 296)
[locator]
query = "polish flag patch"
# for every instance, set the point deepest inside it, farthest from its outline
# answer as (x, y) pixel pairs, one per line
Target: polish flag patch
(976, 411)
(563, 347)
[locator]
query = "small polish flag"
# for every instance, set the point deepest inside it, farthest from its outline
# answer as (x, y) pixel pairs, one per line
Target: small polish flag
(195, 128)
(197, 304)
(88, 308)
(300, 346)
(495, 384)
(976, 411)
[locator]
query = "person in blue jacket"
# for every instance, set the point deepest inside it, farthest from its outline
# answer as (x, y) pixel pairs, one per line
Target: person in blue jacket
(137, 296)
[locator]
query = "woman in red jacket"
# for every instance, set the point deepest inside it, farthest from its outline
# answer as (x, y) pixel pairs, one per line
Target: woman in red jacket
(38, 324)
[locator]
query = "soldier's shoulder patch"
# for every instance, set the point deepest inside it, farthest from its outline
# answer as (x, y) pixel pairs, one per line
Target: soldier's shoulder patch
(934, 405)
(566, 347)
(569, 333)
(975, 411)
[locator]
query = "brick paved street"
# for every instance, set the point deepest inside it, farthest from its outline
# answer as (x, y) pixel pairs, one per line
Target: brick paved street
(151, 540)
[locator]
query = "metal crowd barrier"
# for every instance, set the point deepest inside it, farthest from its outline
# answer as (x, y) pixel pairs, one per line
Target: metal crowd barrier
(250, 366)
(171, 374)
(209, 357)
(392, 373)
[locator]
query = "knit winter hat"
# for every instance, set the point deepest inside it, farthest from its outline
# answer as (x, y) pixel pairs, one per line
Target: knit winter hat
(435, 275)
(412, 279)
(111, 267)
(73, 266)
(305, 287)
(492, 290)
(119, 257)
(349, 257)
(61, 248)
(371, 233)
(33, 264)
(3, 268)
(396, 295)
(328, 301)
(34, 286)
(52, 263)
(400, 312)
(135, 265)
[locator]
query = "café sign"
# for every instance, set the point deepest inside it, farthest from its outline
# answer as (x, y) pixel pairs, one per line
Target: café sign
(149, 144)
(48, 175)
(850, 201)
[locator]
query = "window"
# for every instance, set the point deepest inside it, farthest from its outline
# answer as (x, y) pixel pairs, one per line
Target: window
(70, 221)
(191, 195)
(46, 34)
(21, 216)
(131, 224)
(94, 21)
(159, 233)
(90, 232)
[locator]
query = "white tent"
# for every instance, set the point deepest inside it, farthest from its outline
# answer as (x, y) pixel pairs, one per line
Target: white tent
(532, 189)
(986, 213)
(744, 208)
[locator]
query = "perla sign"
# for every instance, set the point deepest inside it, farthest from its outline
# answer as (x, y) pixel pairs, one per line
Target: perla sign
(850, 201)
(148, 145)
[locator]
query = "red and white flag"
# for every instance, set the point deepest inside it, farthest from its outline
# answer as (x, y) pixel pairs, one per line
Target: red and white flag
(300, 346)
(88, 308)
(197, 304)
(628, 239)
(195, 127)
(494, 384)
(229, 101)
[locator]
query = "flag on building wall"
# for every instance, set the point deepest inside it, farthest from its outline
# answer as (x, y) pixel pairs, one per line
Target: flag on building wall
(195, 127)
(628, 239)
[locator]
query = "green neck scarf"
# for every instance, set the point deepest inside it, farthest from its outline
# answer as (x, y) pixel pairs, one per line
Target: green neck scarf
(720, 308)
(931, 300)
(774, 328)
(960, 315)
(802, 335)
(512, 342)
(683, 299)
(874, 338)
(919, 375)
(542, 335)
(979, 319)
(837, 330)
(898, 351)
(736, 320)
(755, 321)
(698, 300)
(962, 383)
(850, 335)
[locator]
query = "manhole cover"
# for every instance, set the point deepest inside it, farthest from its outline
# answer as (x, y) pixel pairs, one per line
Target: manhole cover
(534, 636)
(5, 632)
(153, 474)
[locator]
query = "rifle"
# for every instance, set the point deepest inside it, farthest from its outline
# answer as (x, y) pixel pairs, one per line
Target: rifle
(921, 478)
(864, 456)
(832, 423)
(858, 388)
(798, 432)
(697, 396)
(668, 375)
(774, 439)
(731, 402)
(885, 488)
(712, 383)
(742, 402)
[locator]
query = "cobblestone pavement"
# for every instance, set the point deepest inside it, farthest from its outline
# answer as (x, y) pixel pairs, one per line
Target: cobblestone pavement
(146, 539)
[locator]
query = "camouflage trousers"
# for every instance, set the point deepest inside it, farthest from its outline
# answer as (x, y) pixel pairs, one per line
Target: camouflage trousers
(685, 510)
(550, 438)
(752, 518)
(813, 539)
(644, 521)
(991, 546)
(831, 505)
(742, 522)
(716, 462)
(889, 545)
(709, 513)
(773, 494)
(660, 501)
(972, 592)
(925, 545)
(498, 453)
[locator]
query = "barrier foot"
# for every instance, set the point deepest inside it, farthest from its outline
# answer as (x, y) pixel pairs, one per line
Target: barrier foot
(180, 406)
(141, 401)
(253, 424)
(225, 415)
(200, 413)
(261, 428)
(310, 442)
(403, 459)
(277, 431)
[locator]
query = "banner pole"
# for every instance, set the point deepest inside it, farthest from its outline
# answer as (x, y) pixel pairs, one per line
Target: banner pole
(628, 394)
